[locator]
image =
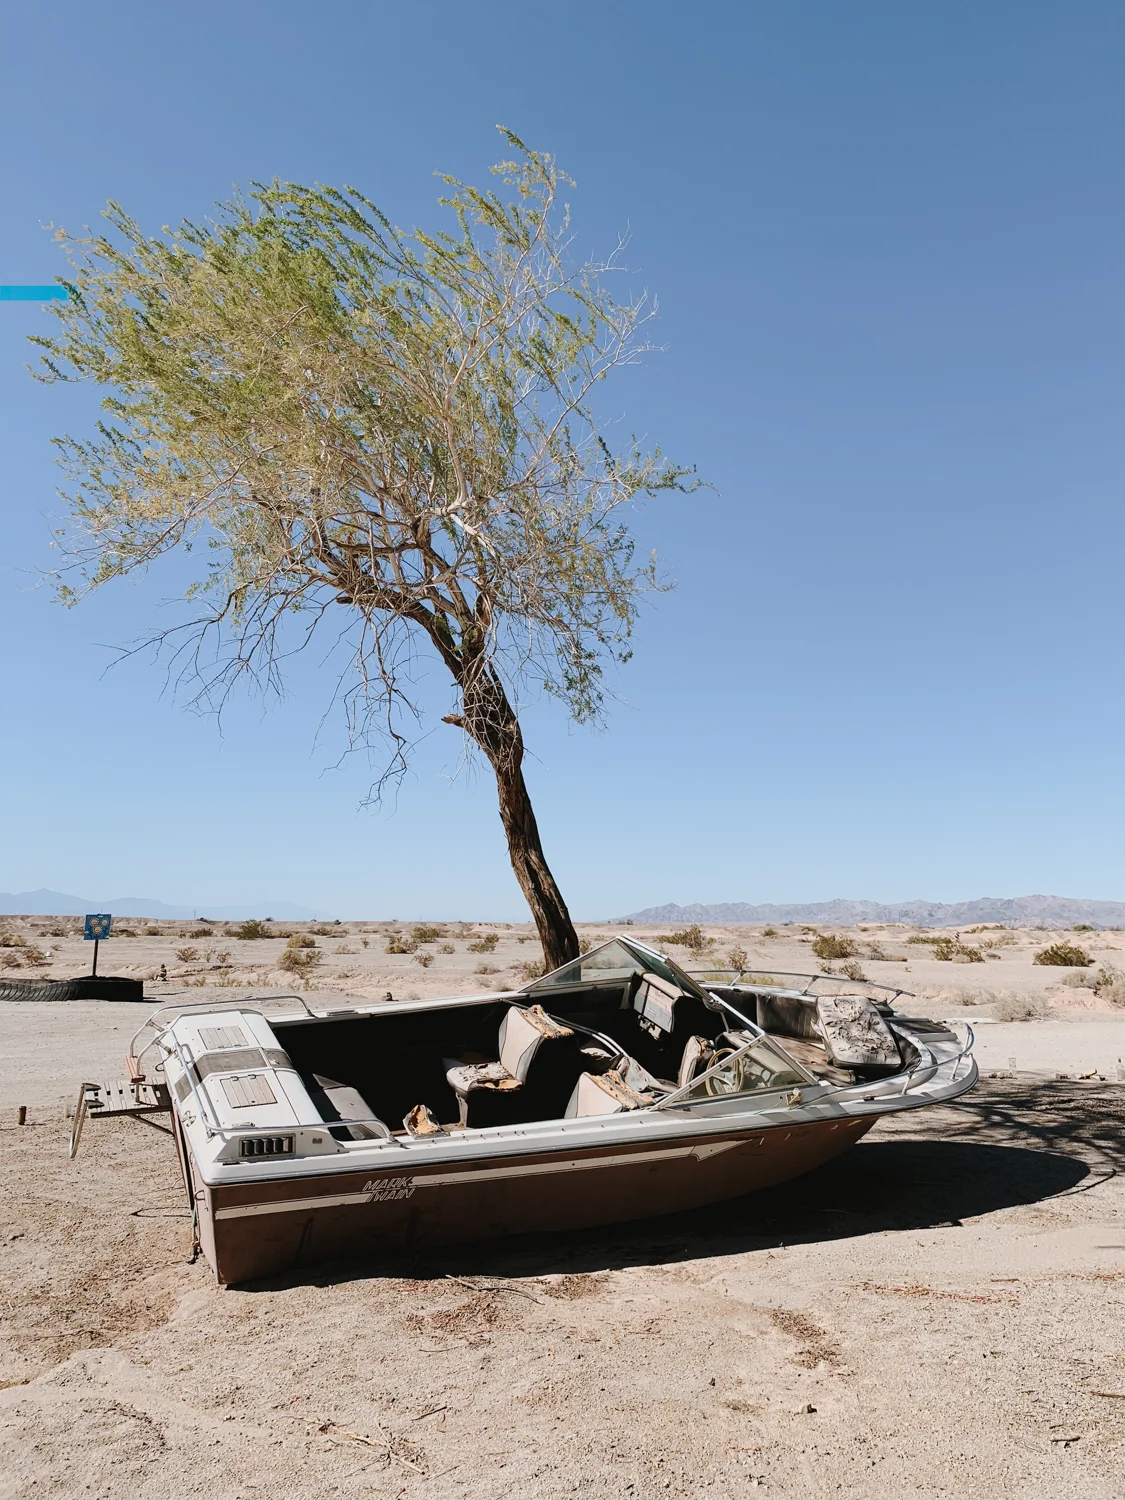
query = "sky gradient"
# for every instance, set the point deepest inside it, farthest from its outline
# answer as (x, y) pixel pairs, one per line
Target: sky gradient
(887, 245)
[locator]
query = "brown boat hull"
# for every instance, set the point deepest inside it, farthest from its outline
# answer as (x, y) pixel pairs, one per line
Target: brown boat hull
(257, 1229)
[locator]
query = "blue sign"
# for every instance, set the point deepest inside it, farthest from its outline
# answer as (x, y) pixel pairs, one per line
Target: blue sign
(97, 926)
(54, 293)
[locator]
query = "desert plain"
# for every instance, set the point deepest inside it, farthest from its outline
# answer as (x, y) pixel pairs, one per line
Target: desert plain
(939, 1312)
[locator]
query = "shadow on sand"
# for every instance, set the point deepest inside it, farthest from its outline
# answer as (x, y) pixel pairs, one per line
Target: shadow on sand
(1008, 1144)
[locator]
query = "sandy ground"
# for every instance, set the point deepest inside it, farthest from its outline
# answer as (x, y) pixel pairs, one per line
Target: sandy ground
(937, 1313)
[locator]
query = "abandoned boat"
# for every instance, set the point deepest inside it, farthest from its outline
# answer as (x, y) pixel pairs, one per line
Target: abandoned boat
(617, 1087)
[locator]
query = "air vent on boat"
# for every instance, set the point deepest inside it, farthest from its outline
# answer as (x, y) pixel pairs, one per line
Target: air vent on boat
(265, 1145)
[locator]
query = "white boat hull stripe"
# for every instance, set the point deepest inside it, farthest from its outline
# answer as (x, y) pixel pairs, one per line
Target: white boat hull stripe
(484, 1174)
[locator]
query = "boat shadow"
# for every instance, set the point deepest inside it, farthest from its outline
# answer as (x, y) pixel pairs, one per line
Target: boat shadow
(1006, 1145)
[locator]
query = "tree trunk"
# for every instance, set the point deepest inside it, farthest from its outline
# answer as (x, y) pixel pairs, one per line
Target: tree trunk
(490, 720)
(556, 931)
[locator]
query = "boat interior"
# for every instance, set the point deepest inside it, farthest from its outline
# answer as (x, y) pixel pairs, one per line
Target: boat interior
(619, 1029)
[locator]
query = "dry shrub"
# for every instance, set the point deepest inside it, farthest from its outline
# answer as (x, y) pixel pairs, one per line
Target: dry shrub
(324, 931)
(738, 958)
(445, 948)
(1013, 1007)
(828, 946)
(853, 970)
(396, 943)
(247, 931)
(202, 932)
(485, 944)
(1063, 955)
(951, 950)
(691, 937)
(535, 968)
(299, 960)
(425, 959)
(154, 932)
(187, 955)
(768, 932)
(486, 969)
(424, 933)
(301, 940)
(12, 940)
(10, 959)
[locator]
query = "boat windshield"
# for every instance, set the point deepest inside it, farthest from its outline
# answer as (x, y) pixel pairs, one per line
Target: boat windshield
(754, 1068)
(619, 959)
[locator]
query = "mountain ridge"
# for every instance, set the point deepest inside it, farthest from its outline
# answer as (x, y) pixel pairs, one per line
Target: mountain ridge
(1015, 911)
(45, 903)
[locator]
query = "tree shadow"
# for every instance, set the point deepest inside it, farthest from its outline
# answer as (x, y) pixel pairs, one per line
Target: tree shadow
(1009, 1144)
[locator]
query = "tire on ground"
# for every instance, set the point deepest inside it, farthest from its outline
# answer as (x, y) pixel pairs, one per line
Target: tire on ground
(85, 987)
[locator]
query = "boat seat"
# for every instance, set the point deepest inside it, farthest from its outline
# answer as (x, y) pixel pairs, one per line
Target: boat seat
(698, 1052)
(532, 1078)
(603, 1094)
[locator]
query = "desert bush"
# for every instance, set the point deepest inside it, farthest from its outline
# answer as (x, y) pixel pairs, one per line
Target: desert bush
(366, 942)
(123, 932)
(1063, 955)
(951, 950)
(486, 969)
(397, 943)
(922, 937)
(485, 944)
(1018, 1007)
(187, 955)
(769, 932)
(534, 968)
(876, 953)
(324, 931)
(57, 932)
(689, 937)
(1002, 940)
(585, 944)
(223, 958)
(247, 931)
(154, 932)
(12, 940)
(447, 948)
(853, 970)
(986, 927)
(828, 945)
(425, 959)
(10, 959)
(1082, 927)
(301, 940)
(299, 960)
(738, 958)
(424, 933)
(202, 932)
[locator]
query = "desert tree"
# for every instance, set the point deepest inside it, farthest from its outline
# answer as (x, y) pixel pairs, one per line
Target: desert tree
(395, 435)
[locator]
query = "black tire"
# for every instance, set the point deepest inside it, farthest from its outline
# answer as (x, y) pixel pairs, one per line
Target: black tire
(86, 987)
(39, 989)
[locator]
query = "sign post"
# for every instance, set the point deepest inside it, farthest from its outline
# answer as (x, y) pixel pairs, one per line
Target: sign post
(97, 927)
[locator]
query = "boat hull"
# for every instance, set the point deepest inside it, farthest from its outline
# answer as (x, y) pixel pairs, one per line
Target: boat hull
(265, 1228)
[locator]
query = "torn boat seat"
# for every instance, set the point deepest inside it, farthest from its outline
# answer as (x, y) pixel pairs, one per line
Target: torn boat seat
(603, 1094)
(855, 1034)
(814, 1057)
(537, 1053)
(420, 1121)
(698, 1053)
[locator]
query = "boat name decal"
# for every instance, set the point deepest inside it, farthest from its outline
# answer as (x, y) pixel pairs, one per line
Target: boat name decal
(389, 1189)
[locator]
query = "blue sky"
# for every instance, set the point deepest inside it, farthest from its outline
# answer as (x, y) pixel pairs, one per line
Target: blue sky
(887, 242)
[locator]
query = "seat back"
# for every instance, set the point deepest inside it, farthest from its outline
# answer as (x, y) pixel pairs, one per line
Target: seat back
(522, 1033)
(602, 1094)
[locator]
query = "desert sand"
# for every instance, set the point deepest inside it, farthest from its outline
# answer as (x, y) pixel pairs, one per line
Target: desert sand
(938, 1312)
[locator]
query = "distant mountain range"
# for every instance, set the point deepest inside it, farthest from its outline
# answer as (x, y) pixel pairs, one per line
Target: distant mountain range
(1014, 911)
(58, 904)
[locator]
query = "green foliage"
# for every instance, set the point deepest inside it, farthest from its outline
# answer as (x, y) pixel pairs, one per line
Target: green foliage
(1063, 955)
(827, 945)
(345, 414)
(253, 929)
